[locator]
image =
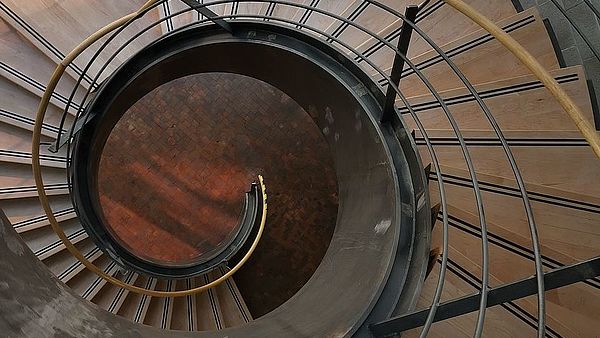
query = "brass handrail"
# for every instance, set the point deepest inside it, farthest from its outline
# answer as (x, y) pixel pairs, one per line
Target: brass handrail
(39, 181)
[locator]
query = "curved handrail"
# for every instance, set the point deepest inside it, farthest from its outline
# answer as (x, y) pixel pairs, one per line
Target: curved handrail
(37, 173)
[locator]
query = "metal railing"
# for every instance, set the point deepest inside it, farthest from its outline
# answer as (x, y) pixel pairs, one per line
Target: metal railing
(113, 30)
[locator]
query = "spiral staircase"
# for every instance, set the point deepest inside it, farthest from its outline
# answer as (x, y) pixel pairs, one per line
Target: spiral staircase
(469, 195)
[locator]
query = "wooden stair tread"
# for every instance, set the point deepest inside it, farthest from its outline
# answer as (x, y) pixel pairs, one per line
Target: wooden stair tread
(159, 311)
(475, 52)
(24, 58)
(19, 108)
(499, 321)
(232, 304)
(319, 21)
(465, 250)
(79, 20)
(517, 104)
(27, 214)
(532, 188)
(432, 16)
(370, 17)
(551, 166)
(86, 278)
(510, 236)
(572, 233)
(181, 19)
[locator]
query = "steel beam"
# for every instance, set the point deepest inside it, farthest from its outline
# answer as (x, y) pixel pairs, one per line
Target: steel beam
(212, 16)
(554, 279)
(403, 41)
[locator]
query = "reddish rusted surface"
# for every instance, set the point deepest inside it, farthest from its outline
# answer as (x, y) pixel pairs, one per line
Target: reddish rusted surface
(175, 168)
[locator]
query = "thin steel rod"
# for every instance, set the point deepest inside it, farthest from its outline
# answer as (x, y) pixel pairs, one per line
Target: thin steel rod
(555, 279)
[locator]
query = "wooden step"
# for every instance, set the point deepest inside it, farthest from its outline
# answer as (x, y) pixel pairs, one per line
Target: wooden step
(517, 104)
(235, 311)
(160, 309)
(507, 266)
(27, 214)
(478, 51)
(173, 7)
(320, 21)
(31, 69)
(568, 165)
(570, 234)
(184, 308)
(429, 20)
(144, 301)
(538, 193)
(135, 306)
(37, 21)
(249, 8)
(19, 107)
(44, 242)
(25, 82)
(16, 181)
(15, 147)
(280, 11)
(500, 236)
(165, 10)
(86, 282)
(90, 251)
(62, 264)
(369, 16)
(25, 157)
(111, 297)
(210, 315)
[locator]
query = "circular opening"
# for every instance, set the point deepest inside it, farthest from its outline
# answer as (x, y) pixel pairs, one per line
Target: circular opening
(344, 104)
(174, 170)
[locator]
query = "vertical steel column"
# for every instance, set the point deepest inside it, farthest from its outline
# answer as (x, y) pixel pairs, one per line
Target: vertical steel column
(403, 41)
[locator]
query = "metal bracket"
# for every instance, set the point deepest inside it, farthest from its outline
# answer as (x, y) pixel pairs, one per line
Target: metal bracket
(61, 140)
(212, 16)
